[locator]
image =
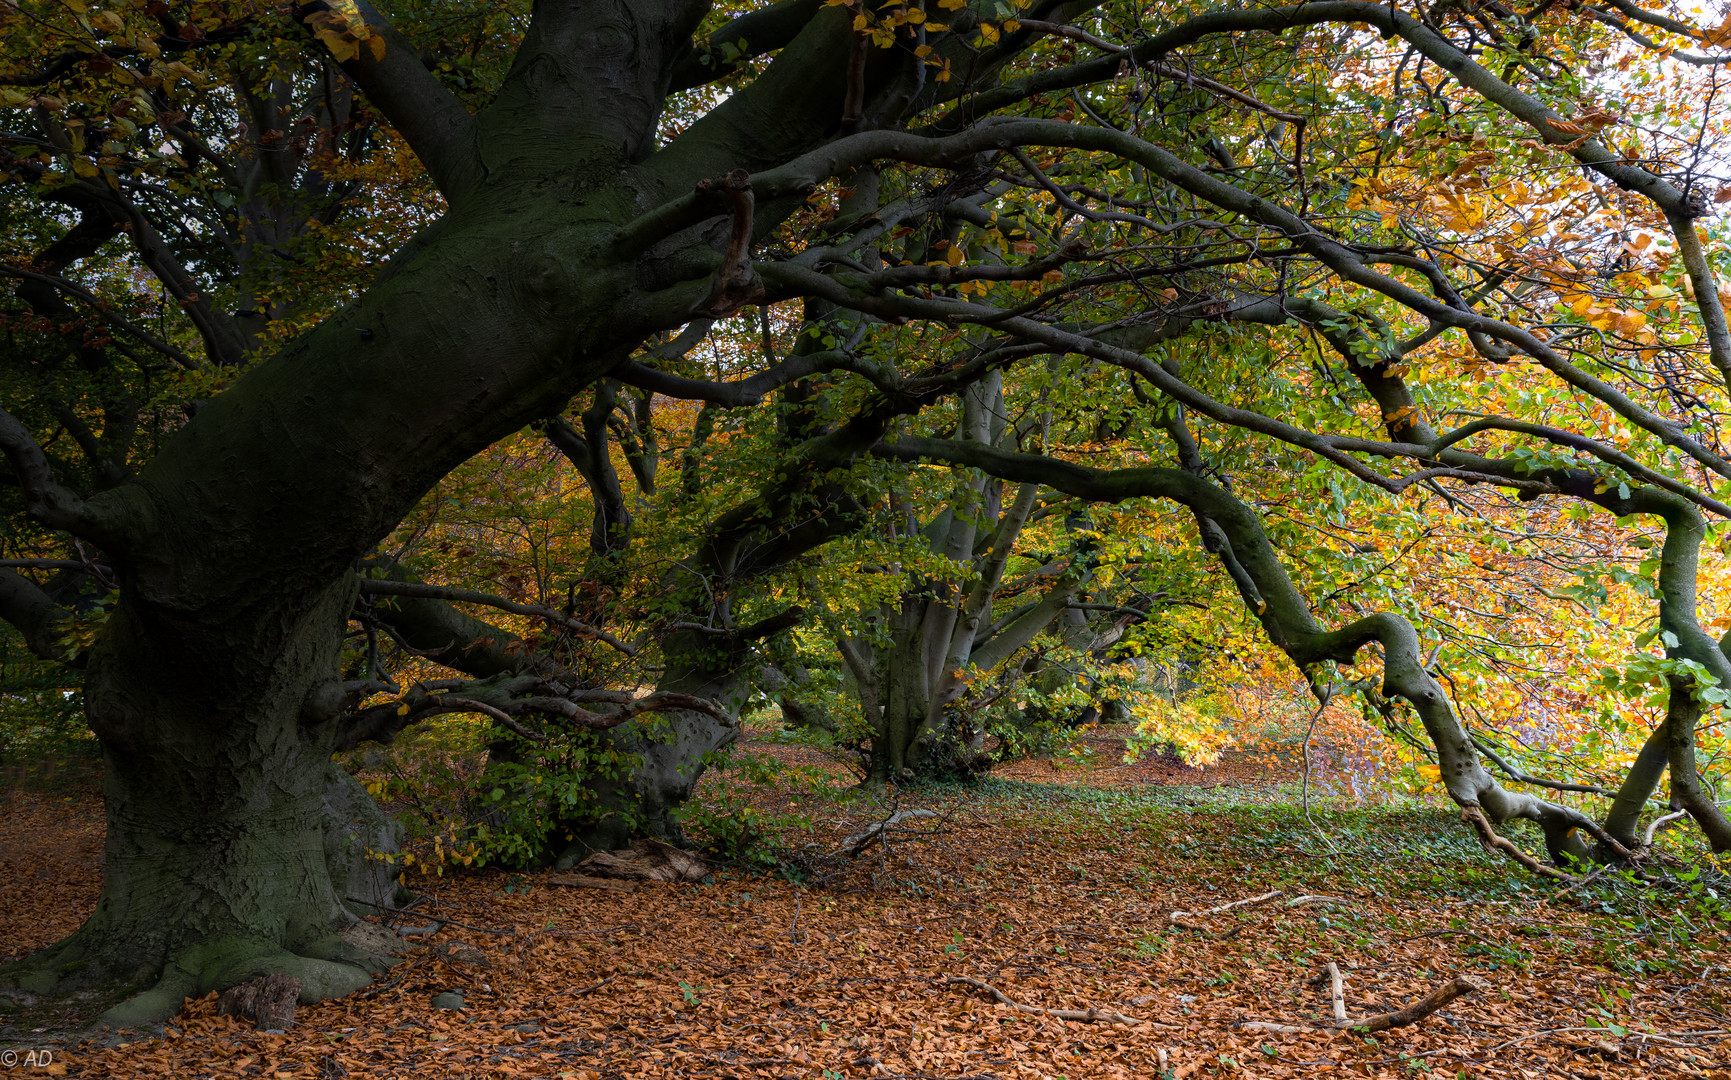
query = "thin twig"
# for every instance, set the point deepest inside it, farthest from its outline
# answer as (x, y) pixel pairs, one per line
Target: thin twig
(1084, 1015)
(586, 989)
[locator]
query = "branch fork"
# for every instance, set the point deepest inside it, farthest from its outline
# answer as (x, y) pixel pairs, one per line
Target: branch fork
(735, 283)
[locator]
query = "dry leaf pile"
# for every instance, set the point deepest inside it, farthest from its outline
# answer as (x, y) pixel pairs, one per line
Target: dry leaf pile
(947, 955)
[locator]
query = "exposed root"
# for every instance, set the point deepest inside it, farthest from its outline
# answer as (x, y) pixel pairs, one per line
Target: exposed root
(1493, 841)
(142, 997)
(1085, 1015)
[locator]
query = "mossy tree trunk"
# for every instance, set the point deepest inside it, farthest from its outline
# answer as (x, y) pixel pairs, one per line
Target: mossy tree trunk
(215, 688)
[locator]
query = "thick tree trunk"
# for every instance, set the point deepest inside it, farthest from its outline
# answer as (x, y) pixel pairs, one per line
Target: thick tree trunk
(1687, 790)
(217, 746)
(668, 751)
(1623, 821)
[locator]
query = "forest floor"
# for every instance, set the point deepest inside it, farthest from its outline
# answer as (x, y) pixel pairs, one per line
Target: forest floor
(1055, 882)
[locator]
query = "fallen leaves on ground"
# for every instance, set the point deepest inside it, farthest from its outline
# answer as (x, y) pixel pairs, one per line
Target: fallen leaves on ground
(1058, 898)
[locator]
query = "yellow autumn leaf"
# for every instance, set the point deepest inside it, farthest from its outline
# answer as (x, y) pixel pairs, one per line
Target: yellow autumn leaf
(341, 47)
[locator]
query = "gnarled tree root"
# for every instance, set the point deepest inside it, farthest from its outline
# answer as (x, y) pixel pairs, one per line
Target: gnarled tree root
(1495, 841)
(145, 995)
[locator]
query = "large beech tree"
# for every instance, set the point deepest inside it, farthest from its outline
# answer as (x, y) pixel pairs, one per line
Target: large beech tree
(639, 168)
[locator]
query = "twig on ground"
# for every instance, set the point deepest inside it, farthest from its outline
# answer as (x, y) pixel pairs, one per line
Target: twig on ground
(1177, 917)
(440, 921)
(587, 989)
(398, 974)
(1411, 1014)
(1642, 1035)
(1567, 889)
(1446, 933)
(1085, 1015)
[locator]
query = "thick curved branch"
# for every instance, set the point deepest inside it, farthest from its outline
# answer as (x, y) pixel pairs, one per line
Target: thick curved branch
(100, 520)
(421, 590)
(752, 390)
(1234, 533)
(33, 614)
(754, 34)
(433, 122)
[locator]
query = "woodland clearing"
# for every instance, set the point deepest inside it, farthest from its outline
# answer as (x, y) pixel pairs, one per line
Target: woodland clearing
(542, 386)
(1056, 883)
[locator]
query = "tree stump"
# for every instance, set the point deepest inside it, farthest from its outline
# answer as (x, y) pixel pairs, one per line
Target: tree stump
(268, 1002)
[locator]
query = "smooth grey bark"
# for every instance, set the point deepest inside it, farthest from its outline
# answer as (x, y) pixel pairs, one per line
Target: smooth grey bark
(667, 753)
(359, 838)
(1687, 791)
(929, 646)
(1623, 820)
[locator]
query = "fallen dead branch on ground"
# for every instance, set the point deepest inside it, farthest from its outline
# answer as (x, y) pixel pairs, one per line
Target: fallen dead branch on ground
(1460, 986)
(1336, 990)
(875, 833)
(1085, 1015)
(647, 859)
(584, 881)
(1179, 918)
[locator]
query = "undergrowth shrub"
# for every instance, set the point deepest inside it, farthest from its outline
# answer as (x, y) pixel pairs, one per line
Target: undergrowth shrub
(471, 795)
(727, 818)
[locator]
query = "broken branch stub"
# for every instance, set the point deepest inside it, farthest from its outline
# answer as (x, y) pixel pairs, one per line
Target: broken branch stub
(268, 1002)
